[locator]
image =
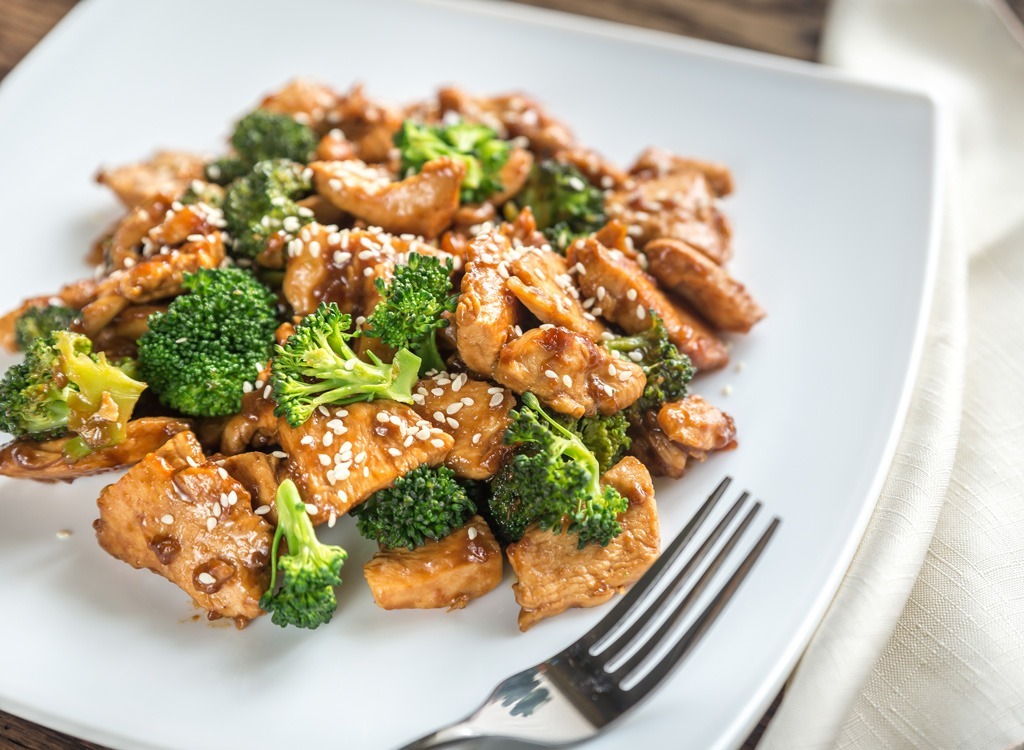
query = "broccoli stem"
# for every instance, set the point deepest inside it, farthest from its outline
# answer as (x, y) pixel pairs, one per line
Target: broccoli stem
(291, 524)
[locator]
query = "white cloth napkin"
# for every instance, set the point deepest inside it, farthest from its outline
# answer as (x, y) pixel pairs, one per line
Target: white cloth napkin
(923, 645)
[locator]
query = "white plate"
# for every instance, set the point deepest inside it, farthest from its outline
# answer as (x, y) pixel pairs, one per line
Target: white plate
(834, 216)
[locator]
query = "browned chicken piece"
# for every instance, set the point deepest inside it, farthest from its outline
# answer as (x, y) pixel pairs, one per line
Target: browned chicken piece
(522, 231)
(681, 206)
(541, 281)
(467, 220)
(450, 572)
(340, 458)
(166, 173)
(554, 575)
(188, 520)
(422, 204)
(334, 146)
(475, 414)
(305, 101)
(697, 427)
(98, 314)
(44, 460)
(657, 162)
(328, 265)
(569, 373)
(715, 294)
(661, 456)
(125, 244)
(513, 175)
(118, 339)
(487, 312)
(368, 124)
(598, 170)
(615, 236)
(512, 115)
(258, 473)
(624, 294)
(184, 223)
(255, 426)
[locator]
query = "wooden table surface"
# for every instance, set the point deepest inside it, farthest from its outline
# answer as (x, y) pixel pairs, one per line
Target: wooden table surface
(784, 27)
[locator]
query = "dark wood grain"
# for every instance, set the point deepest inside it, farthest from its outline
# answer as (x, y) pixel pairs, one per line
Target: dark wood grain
(786, 27)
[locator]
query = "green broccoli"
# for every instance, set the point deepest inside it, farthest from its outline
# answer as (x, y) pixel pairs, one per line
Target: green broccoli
(310, 569)
(409, 313)
(564, 203)
(477, 146)
(553, 478)
(262, 203)
(202, 192)
(317, 366)
(605, 437)
(668, 370)
(39, 322)
(63, 387)
(259, 136)
(427, 503)
(198, 355)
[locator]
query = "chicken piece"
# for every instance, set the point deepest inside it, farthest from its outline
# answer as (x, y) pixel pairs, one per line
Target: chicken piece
(541, 281)
(513, 175)
(598, 170)
(464, 565)
(554, 575)
(160, 276)
(615, 236)
(715, 294)
(468, 220)
(657, 162)
(697, 426)
(422, 204)
(681, 205)
(522, 231)
(255, 426)
(487, 312)
(44, 460)
(475, 414)
(368, 124)
(305, 101)
(655, 449)
(569, 373)
(188, 520)
(118, 339)
(258, 473)
(124, 247)
(339, 459)
(624, 294)
(166, 173)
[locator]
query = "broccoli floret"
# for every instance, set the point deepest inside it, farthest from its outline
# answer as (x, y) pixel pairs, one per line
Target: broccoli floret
(668, 370)
(477, 146)
(605, 437)
(259, 136)
(310, 570)
(563, 201)
(63, 387)
(317, 366)
(200, 352)
(39, 322)
(202, 192)
(553, 478)
(427, 503)
(409, 313)
(262, 203)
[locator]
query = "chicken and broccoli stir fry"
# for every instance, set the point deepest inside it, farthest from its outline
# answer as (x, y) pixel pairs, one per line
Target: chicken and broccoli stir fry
(449, 321)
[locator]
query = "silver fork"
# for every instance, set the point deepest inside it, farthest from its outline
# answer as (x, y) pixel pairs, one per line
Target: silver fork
(580, 691)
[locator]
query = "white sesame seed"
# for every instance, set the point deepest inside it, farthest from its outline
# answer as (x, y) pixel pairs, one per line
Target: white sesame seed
(418, 399)
(168, 519)
(327, 439)
(454, 408)
(471, 533)
(323, 410)
(608, 389)
(408, 441)
(217, 510)
(394, 451)
(332, 519)
(496, 399)
(206, 579)
(311, 509)
(580, 269)
(740, 366)
(211, 523)
(279, 454)
(468, 401)
(267, 391)
(437, 443)
(635, 356)
(453, 423)
(383, 416)
(307, 440)
(262, 510)
(439, 416)
(612, 370)
(624, 376)
(247, 387)
(437, 391)
(423, 434)
(641, 312)
(396, 420)
(222, 472)
(476, 438)
(325, 460)
(726, 390)
(550, 374)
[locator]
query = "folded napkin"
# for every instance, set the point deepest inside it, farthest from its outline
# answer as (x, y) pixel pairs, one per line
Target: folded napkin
(923, 645)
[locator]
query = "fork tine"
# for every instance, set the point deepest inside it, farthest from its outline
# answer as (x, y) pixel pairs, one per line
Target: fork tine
(640, 656)
(657, 571)
(703, 623)
(608, 648)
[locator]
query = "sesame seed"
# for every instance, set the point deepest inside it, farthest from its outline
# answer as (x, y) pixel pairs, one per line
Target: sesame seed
(453, 423)
(641, 312)
(468, 401)
(222, 472)
(332, 519)
(439, 416)
(278, 454)
(211, 523)
(437, 443)
(327, 439)
(394, 451)
(267, 391)
(624, 376)
(323, 410)
(740, 366)
(383, 416)
(311, 509)
(496, 399)
(168, 519)
(580, 269)
(631, 295)
(423, 434)
(216, 510)
(601, 292)
(206, 579)
(307, 440)
(612, 370)
(454, 408)
(325, 460)
(550, 374)
(437, 391)
(476, 438)
(635, 356)
(182, 340)
(262, 510)
(567, 381)
(396, 420)
(408, 441)
(608, 389)
(232, 497)
(472, 533)
(726, 390)
(247, 387)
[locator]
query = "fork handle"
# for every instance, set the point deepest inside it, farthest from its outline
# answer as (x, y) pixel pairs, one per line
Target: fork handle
(446, 737)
